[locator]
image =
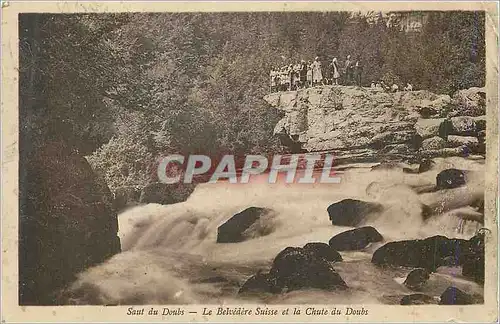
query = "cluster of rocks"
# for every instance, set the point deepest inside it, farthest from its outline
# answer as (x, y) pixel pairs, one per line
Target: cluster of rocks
(311, 266)
(451, 296)
(363, 124)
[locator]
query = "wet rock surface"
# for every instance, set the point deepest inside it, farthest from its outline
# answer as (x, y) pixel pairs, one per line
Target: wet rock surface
(351, 212)
(296, 268)
(233, 230)
(355, 239)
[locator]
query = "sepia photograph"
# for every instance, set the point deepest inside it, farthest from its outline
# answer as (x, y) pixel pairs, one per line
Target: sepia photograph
(246, 159)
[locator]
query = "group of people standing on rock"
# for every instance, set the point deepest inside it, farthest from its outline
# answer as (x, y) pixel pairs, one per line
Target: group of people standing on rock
(304, 75)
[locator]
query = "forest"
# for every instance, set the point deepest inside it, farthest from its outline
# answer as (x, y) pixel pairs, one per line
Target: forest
(125, 89)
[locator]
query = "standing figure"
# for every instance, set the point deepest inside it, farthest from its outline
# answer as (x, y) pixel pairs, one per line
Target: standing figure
(272, 74)
(283, 78)
(309, 76)
(289, 76)
(317, 75)
(335, 71)
(348, 70)
(303, 74)
(358, 71)
(296, 76)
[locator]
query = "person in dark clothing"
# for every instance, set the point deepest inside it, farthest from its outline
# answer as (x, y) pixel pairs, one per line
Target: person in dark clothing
(303, 74)
(348, 71)
(358, 71)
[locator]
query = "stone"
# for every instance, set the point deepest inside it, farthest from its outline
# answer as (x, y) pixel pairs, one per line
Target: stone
(433, 143)
(469, 141)
(428, 253)
(322, 250)
(427, 128)
(355, 239)
(450, 178)
(417, 278)
(455, 296)
(351, 212)
(233, 230)
(260, 283)
(417, 299)
(296, 269)
(469, 102)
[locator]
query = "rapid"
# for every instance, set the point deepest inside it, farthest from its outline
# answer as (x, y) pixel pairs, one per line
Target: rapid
(170, 255)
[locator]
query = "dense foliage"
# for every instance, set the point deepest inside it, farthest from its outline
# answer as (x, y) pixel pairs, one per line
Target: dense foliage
(132, 87)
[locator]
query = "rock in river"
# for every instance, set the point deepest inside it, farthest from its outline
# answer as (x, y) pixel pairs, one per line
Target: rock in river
(351, 212)
(355, 239)
(450, 178)
(429, 253)
(323, 250)
(417, 278)
(233, 230)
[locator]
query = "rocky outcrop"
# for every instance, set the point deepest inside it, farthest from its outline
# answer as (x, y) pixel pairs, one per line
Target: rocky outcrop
(364, 124)
(67, 222)
(355, 239)
(243, 225)
(351, 212)
(469, 102)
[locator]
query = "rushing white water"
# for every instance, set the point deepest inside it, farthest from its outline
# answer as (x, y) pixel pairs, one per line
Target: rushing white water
(170, 254)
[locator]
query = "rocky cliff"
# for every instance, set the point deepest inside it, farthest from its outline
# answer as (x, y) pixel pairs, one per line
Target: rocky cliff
(363, 124)
(67, 222)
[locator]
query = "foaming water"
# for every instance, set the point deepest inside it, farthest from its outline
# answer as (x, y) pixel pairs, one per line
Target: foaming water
(170, 254)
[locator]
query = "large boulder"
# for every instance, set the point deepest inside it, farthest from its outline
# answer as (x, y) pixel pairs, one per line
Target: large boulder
(295, 268)
(355, 239)
(427, 128)
(450, 178)
(455, 296)
(67, 222)
(322, 250)
(351, 212)
(417, 278)
(469, 141)
(433, 143)
(429, 253)
(473, 259)
(469, 102)
(461, 125)
(238, 227)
